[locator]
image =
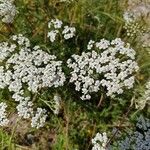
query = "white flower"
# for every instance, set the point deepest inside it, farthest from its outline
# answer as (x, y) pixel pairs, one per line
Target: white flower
(56, 23)
(18, 96)
(100, 141)
(7, 11)
(15, 86)
(52, 35)
(68, 32)
(24, 108)
(90, 44)
(5, 77)
(28, 69)
(3, 118)
(93, 70)
(56, 28)
(21, 40)
(6, 50)
(103, 44)
(39, 118)
(2, 76)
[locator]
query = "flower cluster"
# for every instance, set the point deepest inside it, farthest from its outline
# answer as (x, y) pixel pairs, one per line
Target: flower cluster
(3, 118)
(136, 12)
(99, 142)
(31, 68)
(6, 50)
(145, 99)
(112, 67)
(90, 44)
(133, 29)
(7, 11)
(39, 119)
(68, 32)
(56, 28)
(25, 107)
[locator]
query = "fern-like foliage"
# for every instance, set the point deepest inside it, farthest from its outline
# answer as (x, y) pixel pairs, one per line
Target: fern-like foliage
(139, 139)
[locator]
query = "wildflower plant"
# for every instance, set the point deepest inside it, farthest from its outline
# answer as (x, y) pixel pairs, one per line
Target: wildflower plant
(110, 65)
(34, 69)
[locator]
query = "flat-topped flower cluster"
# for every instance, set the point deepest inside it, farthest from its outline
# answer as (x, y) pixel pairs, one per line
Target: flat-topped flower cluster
(109, 65)
(25, 68)
(7, 11)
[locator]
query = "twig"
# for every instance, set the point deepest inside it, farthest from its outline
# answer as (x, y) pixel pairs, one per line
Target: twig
(100, 101)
